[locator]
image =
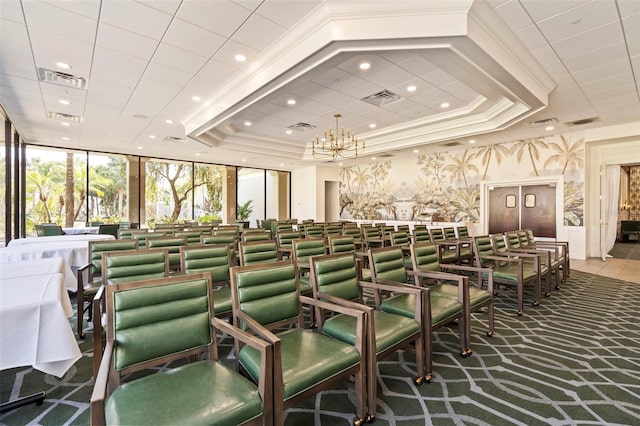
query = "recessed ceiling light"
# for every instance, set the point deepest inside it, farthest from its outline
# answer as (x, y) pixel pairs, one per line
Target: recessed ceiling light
(240, 58)
(63, 65)
(244, 160)
(64, 102)
(288, 132)
(415, 151)
(576, 21)
(549, 128)
(365, 66)
(248, 123)
(372, 125)
(197, 154)
(374, 158)
(152, 136)
(411, 88)
(472, 141)
(65, 138)
(66, 124)
(139, 147)
(339, 164)
(281, 164)
(444, 105)
(168, 121)
(196, 98)
(140, 116)
(291, 101)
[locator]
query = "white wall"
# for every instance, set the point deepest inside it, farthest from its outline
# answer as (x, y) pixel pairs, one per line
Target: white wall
(308, 192)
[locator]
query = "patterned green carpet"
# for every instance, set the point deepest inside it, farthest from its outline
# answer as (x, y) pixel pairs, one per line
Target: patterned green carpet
(626, 251)
(573, 360)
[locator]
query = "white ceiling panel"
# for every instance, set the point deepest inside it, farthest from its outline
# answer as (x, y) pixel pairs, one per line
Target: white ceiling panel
(8, 82)
(192, 38)
(231, 48)
(579, 20)
(51, 48)
(107, 93)
(608, 83)
(135, 17)
(127, 42)
(167, 75)
(543, 9)
(532, 38)
(258, 32)
(286, 12)
(117, 67)
(88, 8)
(604, 70)
(545, 55)
(415, 64)
(59, 21)
(514, 15)
(217, 71)
(596, 57)
(179, 59)
(596, 38)
(628, 7)
(222, 16)
(11, 10)
(166, 6)
(15, 42)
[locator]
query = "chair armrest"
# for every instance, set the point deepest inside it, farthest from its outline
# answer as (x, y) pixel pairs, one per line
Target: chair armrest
(344, 302)
(479, 271)
(421, 293)
(79, 274)
(100, 390)
(462, 281)
(257, 328)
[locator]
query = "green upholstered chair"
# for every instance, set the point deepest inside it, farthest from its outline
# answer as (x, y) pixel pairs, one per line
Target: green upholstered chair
(172, 245)
(230, 239)
(284, 239)
(335, 278)
(353, 232)
(401, 239)
(152, 323)
(420, 235)
(550, 263)
(192, 236)
(255, 252)
(302, 250)
(87, 288)
(314, 231)
(109, 229)
(256, 235)
(204, 229)
(346, 244)
(372, 237)
(462, 232)
(120, 267)
(403, 228)
(535, 260)
(52, 230)
(332, 229)
(508, 269)
(214, 259)
(387, 267)
(527, 239)
(449, 250)
(425, 259)
(125, 233)
(267, 300)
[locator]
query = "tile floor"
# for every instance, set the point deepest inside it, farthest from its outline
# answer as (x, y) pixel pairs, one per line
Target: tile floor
(623, 269)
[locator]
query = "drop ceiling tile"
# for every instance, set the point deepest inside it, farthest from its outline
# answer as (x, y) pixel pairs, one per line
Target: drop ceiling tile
(604, 70)
(9, 82)
(227, 53)
(545, 55)
(393, 75)
(556, 70)
(616, 92)
(11, 10)
(50, 48)
(63, 92)
(514, 15)
(531, 37)
(59, 21)
(361, 89)
(108, 94)
(176, 58)
(14, 61)
(578, 20)
(90, 9)
(543, 9)
(166, 6)
(417, 64)
(596, 57)
(258, 32)
(217, 71)
(628, 7)
(192, 38)
(127, 42)
(117, 68)
(594, 39)
(286, 12)
(608, 83)
(223, 17)
(632, 33)
(335, 79)
(166, 75)
(352, 64)
(135, 17)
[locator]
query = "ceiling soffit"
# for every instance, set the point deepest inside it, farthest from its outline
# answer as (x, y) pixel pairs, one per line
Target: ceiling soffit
(465, 38)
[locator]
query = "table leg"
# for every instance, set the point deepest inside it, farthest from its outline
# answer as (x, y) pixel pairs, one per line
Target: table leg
(38, 398)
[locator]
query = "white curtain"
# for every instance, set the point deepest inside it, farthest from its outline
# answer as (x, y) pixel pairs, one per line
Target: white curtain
(610, 197)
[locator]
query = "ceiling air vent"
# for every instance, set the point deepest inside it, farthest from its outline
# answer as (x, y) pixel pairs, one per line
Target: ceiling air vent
(61, 78)
(175, 139)
(301, 127)
(543, 122)
(65, 117)
(385, 155)
(382, 98)
(454, 143)
(582, 121)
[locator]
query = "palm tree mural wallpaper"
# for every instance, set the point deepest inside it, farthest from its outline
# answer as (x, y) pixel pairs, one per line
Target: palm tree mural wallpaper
(446, 186)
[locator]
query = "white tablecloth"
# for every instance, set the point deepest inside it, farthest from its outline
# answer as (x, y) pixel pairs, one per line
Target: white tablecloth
(75, 253)
(81, 230)
(52, 265)
(58, 239)
(34, 325)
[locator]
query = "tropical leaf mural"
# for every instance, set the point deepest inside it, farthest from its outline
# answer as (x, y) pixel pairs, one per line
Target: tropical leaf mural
(446, 186)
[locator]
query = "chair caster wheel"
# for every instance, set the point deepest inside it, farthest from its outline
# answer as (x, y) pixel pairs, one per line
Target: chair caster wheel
(82, 336)
(370, 419)
(469, 352)
(547, 294)
(520, 313)
(557, 287)
(418, 380)
(428, 378)
(358, 421)
(536, 303)
(490, 333)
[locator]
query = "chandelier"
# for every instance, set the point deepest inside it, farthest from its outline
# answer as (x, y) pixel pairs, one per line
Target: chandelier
(336, 143)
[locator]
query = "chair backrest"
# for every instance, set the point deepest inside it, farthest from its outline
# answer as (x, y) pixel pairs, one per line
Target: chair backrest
(214, 259)
(134, 265)
(229, 239)
(183, 305)
(335, 275)
(303, 249)
(419, 226)
(499, 244)
(371, 233)
(284, 238)
(259, 235)
(353, 232)
(96, 248)
(425, 257)
(523, 237)
(314, 231)
(125, 233)
(192, 237)
(255, 252)
(340, 244)
(268, 293)
(141, 236)
(436, 234)
(164, 226)
(399, 238)
(421, 235)
(172, 245)
(109, 229)
(387, 263)
(50, 230)
(482, 247)
(124, 225)
(512, 239)
(403, 228)
(332, 229)
(449, 233)
(463, 232)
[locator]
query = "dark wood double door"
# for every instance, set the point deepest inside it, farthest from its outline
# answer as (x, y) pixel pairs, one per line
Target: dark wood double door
(522, 207)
